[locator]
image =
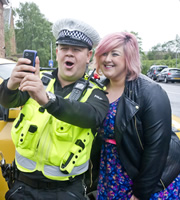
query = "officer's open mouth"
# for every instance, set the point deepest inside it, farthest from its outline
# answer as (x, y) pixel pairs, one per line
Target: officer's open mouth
(69, 63)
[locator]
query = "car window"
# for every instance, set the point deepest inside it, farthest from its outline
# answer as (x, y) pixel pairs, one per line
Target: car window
(174, 70)
(164, 70)
(6, 69)
(159, 69)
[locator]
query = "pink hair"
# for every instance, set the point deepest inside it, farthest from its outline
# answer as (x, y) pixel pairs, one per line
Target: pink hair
(131, 51)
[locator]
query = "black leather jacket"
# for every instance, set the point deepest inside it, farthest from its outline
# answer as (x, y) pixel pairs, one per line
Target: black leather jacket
(143, 134)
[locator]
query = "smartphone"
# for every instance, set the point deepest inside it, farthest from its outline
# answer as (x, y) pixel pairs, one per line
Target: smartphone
(31, 55)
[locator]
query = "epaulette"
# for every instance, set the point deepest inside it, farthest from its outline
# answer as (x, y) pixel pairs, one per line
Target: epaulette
(95, 78)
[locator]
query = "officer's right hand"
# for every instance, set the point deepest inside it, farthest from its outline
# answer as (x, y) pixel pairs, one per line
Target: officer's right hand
(19, 72)
(32, 84)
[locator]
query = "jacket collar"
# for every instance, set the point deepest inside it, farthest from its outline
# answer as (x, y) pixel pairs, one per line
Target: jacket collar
(126, 110)
(127, 106)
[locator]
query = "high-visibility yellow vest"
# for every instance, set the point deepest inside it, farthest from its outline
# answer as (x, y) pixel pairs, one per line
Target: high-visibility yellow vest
(58, 149)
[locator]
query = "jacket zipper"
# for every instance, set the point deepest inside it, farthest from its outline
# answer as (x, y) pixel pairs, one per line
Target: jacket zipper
(19, 188)
(162, 184)
(41, 153)
(90, 173)
(138, 134)
(143, 148)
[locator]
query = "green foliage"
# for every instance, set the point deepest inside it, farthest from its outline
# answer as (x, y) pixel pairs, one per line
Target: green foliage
(165, 54)
(170, 63)
(33, 31)
(139, 42)
(168, 50)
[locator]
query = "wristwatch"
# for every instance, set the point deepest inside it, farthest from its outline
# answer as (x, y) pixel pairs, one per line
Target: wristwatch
(51, 97)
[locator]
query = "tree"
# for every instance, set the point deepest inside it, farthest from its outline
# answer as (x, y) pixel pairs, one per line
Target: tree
(177, 48)
(168, 50)
(33, 31)
(139, 42)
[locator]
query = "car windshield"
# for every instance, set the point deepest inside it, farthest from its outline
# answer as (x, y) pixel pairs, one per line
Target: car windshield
(6, 69)
(175, 71)
(159, 69)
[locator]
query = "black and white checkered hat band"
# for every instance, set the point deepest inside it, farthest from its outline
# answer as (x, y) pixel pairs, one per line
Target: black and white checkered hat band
(75, 35)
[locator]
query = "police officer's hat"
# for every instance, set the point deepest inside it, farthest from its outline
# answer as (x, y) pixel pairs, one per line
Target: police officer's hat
(76, 33)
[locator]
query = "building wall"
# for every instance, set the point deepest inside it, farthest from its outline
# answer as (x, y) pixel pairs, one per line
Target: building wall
(2, 42)
(10, 43)
(13, 39)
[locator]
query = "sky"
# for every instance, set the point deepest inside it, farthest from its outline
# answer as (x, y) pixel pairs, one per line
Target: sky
(155, 21)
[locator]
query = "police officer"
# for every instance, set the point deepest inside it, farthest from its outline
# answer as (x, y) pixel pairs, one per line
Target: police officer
(61, 111)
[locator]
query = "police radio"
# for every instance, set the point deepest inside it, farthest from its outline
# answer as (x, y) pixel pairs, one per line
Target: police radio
(81, 86)
(79, 89)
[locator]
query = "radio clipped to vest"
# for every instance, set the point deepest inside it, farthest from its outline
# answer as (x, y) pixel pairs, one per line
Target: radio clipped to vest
(81, 86)
(78, 90)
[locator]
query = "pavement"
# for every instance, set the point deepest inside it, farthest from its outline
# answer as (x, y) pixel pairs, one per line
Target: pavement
(176, 125)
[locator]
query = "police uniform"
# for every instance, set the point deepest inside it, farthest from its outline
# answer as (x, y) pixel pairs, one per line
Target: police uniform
(53, 142)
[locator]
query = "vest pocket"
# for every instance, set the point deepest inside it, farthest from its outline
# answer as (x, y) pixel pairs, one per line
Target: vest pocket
(71, 147)
(61, 130)
(26, 138)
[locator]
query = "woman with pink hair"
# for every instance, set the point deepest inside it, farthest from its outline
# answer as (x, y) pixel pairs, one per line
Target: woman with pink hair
(140, 155)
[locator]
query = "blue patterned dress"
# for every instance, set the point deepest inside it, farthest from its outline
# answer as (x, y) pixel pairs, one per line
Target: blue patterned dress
(114, 183)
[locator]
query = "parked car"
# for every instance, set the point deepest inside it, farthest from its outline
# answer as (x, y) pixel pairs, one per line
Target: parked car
(6, 67)
(7, 116)
(6, 119)
(169, 74)
(155, 70)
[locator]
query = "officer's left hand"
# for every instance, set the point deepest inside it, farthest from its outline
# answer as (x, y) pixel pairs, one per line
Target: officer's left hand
(34, 86)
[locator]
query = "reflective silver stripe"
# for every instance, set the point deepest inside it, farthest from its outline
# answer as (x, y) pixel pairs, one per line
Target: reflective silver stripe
(25, 162)
(55, 171)
(48, 169)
